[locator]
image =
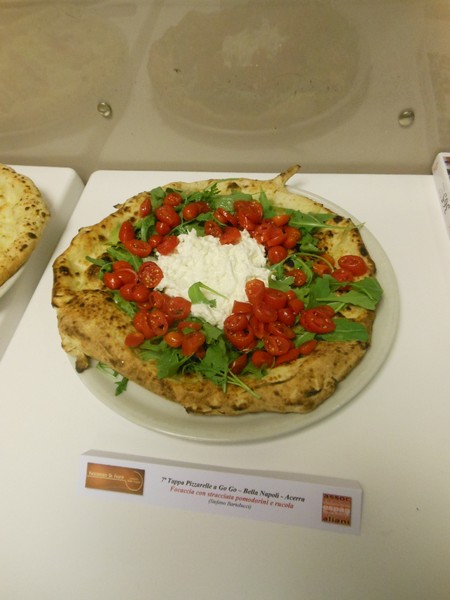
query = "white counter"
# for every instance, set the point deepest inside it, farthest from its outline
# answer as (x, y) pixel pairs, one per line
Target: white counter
(393, 438)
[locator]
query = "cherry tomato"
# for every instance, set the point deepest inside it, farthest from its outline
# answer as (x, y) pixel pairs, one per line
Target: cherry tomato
(254, 289)
(112, 281)
(299, 277)
(140, 293)
(121, 264)
(258, 327)
(192, 342)
(321, 268)
(174, 339)
(264, 313)
(134, 339)
(173, 199)
(286, 316)
(274, 298)
(213, 228)
(186, 326)
(150, 274)
(155, 239)
(276, 344)
(342, 275)
(239, 364)
(138, 247)
(235, 322)
(157, 299)
(242, 340)
(293, 236)
(167, 214)
(145, 208)
(277, 237)
(126, 231)
(225, 217)
(280, 220)
(307, 347)
(177, 308)
(280, 329)
(162, 228)
(296, 305)
(262, 359)
(250, 209)
(230, 235)
(190, 211)
(142, 324)
(126, 275)
(355, 264)
(127, 291)
(168, 245)
(316, 321)
(276, 254)
(287, 357)
(244, 308)
(158, 322)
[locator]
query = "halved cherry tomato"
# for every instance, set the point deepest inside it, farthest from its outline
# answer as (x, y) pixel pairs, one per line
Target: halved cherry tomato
(167, 214)
(307, 347)
(277, 237)
(238, 364)
(261, 359)
(230, 235)
(293, 236)
(157, 298)
(274, 298)
(126, 291)
(126, 231)
(168, 245)
(177, 308)
(276, 254)
(281, 220)
(286, 316)
(192, 342)
(242, 308)
(145, 208)
(321, 268)
(276, 344)
(235, 322)
(112, 281)
(264, 313)
(299, 276)
(162, 228)
(142, 324)
(317, 321)
(185, 326)
(278, 328)
(355, 264)
(252, 210)
(342, 275)
(242, 340)
(258, 327)
(173, 199)
(150, 274)
(254, 289)
(191, 211)
(158, 322)
(138, 247)
(126, 275)
(134, 339)
(121, 264)
(140, 293)
(296, 305)
(174, 339)
(225, 217)
(155, 239)
(287, 357)
(213, 228)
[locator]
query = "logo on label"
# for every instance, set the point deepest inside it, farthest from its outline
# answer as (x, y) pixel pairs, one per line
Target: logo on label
(337, 509)
(112, 478)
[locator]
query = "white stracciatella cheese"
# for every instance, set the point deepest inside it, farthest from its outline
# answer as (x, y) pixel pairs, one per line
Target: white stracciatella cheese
(223, 268)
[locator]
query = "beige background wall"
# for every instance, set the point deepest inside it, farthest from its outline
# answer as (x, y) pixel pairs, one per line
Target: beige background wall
(225, 84)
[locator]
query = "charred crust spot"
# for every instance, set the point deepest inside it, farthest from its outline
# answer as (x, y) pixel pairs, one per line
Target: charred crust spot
(32, 235)
(311, 393)
(64, 270)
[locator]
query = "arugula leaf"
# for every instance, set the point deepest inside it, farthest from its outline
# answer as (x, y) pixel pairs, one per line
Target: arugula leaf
(119, 252)
(346, 330)
(144, 226)
(196, 296)
(121, 384)
(168, 360)
(129, 308)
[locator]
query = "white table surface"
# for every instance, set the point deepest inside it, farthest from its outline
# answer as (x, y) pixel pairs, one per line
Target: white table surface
(394, 438)
(60, 188)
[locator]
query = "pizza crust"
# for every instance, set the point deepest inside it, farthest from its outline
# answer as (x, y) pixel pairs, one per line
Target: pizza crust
(23, 217)
(91, 325)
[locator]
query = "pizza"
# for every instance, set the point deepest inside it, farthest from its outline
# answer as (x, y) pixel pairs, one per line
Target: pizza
(227, 296)
(23, 217)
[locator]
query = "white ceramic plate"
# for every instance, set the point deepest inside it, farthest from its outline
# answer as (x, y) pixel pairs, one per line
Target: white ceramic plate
(10, 282)
(153, 412)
